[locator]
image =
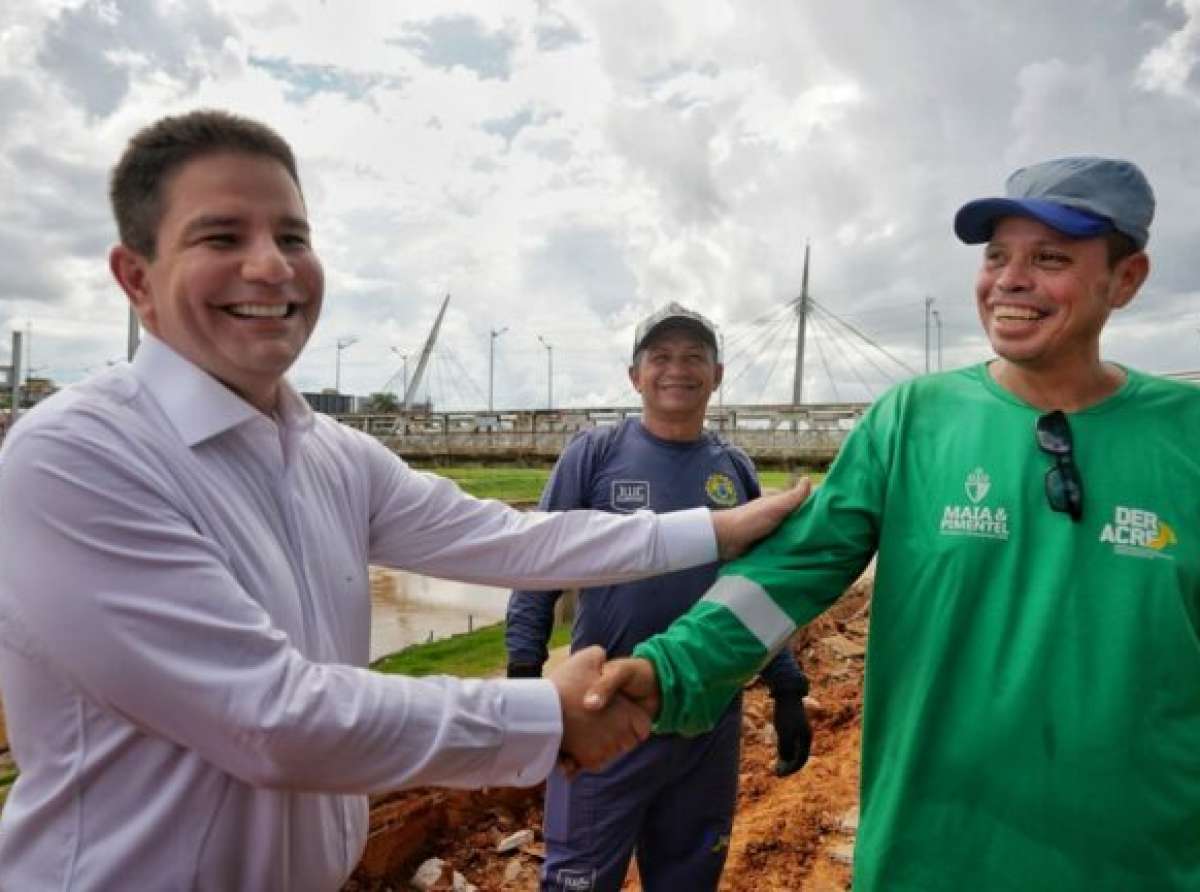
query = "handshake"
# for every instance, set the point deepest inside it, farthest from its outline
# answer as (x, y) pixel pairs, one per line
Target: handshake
(608, 708)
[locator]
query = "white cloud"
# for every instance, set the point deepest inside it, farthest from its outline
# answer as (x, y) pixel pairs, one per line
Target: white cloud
(562, 167)
(1168, 67)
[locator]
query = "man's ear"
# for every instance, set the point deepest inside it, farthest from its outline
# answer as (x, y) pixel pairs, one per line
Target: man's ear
(132, 272)
(718, 376)
(635, 379)
(1129, 275)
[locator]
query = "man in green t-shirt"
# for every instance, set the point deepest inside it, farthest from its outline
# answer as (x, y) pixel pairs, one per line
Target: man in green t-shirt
(1032, 706)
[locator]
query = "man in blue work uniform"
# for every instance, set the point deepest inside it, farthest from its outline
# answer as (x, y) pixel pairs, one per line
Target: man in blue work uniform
(673, 797)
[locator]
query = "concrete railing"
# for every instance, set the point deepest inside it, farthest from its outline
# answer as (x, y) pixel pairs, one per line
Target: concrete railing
(771, 435)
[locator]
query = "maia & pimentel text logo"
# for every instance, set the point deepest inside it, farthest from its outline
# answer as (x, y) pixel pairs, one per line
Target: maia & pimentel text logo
(1139, 533)
(973, 518)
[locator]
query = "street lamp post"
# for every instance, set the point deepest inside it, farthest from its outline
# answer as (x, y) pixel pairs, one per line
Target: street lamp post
(404, 359)
(937, 318)
(492, 363)
(549, 372)
(928, 310)
(342, 344)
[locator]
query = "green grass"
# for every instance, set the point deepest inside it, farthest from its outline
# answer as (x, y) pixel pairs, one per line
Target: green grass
(781, 479)
(509, 484)
(469, 655)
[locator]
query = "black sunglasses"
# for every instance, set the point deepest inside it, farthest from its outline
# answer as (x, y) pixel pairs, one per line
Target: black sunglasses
(1064, 486)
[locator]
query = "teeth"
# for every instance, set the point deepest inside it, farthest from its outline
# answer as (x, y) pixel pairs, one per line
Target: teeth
(1027, 313)
(277, 311)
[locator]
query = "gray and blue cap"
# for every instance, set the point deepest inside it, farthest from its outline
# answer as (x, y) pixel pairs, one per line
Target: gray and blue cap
(675, 316)
(1081, 197)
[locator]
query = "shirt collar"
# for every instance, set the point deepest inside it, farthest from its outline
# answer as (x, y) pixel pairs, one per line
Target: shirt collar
(199, 406)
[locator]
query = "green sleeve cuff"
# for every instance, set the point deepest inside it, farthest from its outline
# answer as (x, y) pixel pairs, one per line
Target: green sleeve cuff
(701, 662)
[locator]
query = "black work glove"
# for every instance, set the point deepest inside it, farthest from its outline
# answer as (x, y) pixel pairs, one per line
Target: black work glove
(524, 670)
(792, 729)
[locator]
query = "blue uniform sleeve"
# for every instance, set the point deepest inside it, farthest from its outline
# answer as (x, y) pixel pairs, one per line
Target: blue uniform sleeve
(747, 473)
(530, 616)
(783, 672)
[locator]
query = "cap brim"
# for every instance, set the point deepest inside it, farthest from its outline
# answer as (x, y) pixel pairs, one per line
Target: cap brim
(975, 220)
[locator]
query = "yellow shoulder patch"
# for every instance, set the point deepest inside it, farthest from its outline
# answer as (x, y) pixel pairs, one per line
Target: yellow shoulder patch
(721, 490)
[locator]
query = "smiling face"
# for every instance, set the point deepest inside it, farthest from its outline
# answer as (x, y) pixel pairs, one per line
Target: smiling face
(234, 285)
(676, 373)
(1043, 298)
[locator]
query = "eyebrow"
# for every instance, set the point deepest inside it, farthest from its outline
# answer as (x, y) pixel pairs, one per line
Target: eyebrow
(209, 221)
(1056, 242)
(220, 221)
(290, 222)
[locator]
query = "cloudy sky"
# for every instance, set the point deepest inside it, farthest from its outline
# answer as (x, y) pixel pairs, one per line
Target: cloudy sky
(562, 168)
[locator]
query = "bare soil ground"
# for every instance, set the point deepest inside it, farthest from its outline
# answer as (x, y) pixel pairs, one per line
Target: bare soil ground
(791, 834)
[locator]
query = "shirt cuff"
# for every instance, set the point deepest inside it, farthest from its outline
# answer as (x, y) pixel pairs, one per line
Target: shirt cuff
(688, 538)
(532, 720)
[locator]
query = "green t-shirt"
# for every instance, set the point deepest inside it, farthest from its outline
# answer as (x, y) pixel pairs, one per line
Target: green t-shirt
(1032, 704)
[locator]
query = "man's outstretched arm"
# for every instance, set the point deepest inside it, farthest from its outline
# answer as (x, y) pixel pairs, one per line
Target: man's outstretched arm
(427, 525)
(687, 675)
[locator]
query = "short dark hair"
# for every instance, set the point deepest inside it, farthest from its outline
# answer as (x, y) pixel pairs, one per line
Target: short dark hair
(157, 151)
(1119, 246)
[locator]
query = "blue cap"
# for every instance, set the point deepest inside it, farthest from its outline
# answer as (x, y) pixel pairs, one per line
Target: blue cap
(1080, 197)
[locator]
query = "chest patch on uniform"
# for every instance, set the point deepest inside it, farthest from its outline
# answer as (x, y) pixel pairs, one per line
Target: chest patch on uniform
(630, 495)
(975, 518)
(721, 490)
(1136, 532)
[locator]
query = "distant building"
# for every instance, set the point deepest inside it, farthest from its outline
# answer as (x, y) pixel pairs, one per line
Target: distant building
(330, 402)
(37, 389)
(34, 390)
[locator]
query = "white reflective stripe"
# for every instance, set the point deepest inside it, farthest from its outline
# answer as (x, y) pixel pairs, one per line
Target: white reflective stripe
(755, 610)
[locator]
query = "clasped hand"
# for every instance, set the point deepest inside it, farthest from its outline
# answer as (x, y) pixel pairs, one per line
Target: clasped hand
(608, 709)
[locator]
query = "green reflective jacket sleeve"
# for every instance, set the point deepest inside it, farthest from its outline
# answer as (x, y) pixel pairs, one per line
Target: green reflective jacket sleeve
(705, 656)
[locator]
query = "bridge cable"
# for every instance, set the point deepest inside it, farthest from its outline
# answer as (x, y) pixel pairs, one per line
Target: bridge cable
(837, 338)
(761, 345)
(768, 343)
(863, 336)
(783, 345)
(821, 353)
(744, 330)
(858, 348)
(452, 355)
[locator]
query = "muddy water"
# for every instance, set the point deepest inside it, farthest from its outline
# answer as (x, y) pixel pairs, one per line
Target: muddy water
(408, 609)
